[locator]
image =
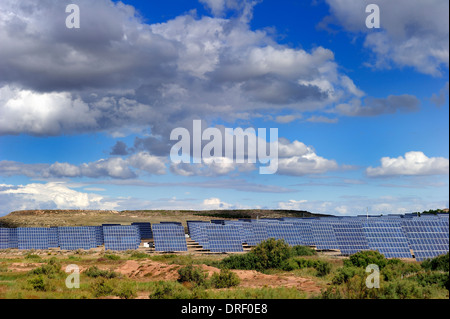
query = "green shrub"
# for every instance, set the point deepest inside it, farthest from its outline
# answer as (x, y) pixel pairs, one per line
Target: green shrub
(125, 291)
(245, 261)
(95, 272)
(344, 274)
(437, 263)
(271, 253)
(102, 287)
(365, 258)
(170, 290)
(139, 255)
(402, 289)
(323, 268)
(303, 251)
(225, 279)
(432, 278)
(111, 257)
(289, 265)
(52, 269)
(39, 283)
(191, 274)
(33, 256)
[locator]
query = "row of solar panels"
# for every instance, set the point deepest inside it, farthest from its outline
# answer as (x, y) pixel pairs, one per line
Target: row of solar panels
(391, 236)
(114, 237)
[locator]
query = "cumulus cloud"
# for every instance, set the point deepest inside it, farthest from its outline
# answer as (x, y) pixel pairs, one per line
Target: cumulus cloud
(50, 196)
(297, 159)
(122, 73)
(413, 163)
(120, 148)
(114, 167)
(413, 33)
(216, 203)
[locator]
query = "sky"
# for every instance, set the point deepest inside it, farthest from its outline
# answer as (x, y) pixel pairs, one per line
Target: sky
(86, 114)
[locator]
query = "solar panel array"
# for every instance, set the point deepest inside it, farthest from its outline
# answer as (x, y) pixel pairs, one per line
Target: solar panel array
(169, 237)
(121, 237)
(32, 238)
(73, 238)
(388, 237)
(223, 238)
(395, 236)
(427, 238)
(350, 237)
(145, 230)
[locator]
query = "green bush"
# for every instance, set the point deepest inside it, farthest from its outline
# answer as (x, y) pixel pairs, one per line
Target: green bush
(139, 255)
(225, 279)
(365, 258)
(52, 269)
(111, 257)
(323, 268)
(102, 287)
(191, 274)
(271, 253)
(432, 278)
(39, 283)
(344, 274)
(437, 263)
(125, 291)
(245, 261)
(95, 272)
(289, 265)
(170, 290)
(303, 251)
(402, 289)
(33, 256)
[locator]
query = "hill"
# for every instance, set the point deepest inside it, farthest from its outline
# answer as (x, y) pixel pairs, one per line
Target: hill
(47, 218)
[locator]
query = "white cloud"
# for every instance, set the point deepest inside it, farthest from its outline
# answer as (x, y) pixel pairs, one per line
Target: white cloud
(149, 163)
(413, 163)
(413, 33)
(297, 159)
(215, 203)
(50, 196)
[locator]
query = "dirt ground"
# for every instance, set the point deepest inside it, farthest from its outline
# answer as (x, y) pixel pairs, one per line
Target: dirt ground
(152, 270)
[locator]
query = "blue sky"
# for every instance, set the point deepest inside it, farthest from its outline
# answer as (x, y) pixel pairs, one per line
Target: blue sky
(362, 114)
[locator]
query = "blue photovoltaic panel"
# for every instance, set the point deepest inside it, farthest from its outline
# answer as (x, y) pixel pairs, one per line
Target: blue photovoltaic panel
(32, 238)
(73, 238)
(145, 230)
(323, 234)
(224, 238)
(350, 237)
(53, 241)
(255, 232)
(288, 232)
(388, 238)
(198, 233)
(239, 225)
(427, 238)
(4, 238)
(121, 237)
(97, 232)
(169, 237)
(13, 240)
(306, 231)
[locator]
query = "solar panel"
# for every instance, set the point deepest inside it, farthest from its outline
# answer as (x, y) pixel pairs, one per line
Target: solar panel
(224, 238)
(169, 237)
(53, 241)
(306, 232)
(198, 232)
(13, 240)
(145, 230)
(32, 238)
(388, 238)
(121, 237)
(323, 234)
(73, 238)
(255, 233)
(288, 232)
(4, 238)
(98, 234)
(239, 225)
(427, 238)
(350, 237)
